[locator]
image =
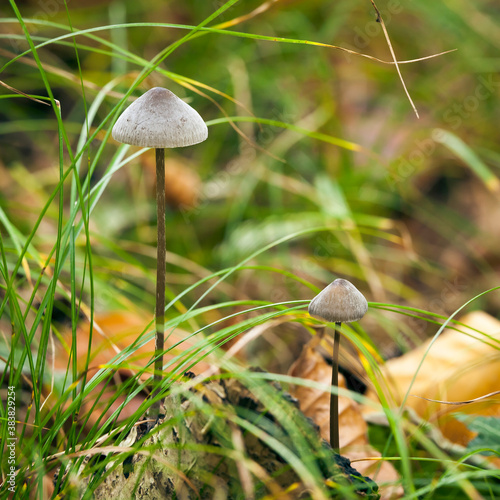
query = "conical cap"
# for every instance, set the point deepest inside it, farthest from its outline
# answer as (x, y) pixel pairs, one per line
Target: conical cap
(339, 302)
(159, 119)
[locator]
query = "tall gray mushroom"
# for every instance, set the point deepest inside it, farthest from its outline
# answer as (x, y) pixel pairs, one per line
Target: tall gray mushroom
(340, 302)
(159, 119)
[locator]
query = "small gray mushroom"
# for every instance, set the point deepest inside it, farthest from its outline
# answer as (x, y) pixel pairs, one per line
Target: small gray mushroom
(159, 119)
(340, 302)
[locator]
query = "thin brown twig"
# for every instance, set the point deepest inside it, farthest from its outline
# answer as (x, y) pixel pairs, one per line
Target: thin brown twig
(386, 34)
(267, 5)
(23, 93)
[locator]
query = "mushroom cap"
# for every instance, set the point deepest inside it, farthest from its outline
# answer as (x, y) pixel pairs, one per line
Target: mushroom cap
(339, 302)
(159, 119)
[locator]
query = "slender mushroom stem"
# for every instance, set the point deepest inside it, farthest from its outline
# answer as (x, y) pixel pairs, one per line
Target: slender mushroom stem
(159, 119)
(340, 302)
(160, 276)
(334, 398)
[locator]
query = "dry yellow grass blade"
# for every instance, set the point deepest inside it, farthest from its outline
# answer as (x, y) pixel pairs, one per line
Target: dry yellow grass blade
(386, 35)
(20, 92)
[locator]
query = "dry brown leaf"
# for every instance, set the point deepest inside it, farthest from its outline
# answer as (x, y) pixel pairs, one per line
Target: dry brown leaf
(461, 365)
(354, 444)
(114, 331)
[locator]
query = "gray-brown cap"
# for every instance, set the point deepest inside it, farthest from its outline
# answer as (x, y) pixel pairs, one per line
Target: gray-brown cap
(159, 119)
(339, 302)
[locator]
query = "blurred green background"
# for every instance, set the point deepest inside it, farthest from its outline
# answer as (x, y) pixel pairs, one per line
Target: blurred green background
(408, 210)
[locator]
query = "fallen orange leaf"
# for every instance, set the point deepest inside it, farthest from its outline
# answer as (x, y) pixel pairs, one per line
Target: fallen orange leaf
(113, 332)
(460, 366)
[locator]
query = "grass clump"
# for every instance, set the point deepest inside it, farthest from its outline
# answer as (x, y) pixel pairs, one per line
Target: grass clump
(315, 167)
